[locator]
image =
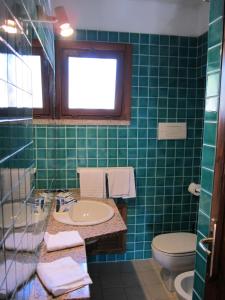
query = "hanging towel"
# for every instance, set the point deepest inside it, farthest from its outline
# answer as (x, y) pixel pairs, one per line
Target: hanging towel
(121, 182)
(18, 273)
(17, 181)
(92, 182)
(62, 276)
(21, 241)
(62, 240)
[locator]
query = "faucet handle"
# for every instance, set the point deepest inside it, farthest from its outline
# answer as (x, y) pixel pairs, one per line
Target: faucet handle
(37, 204)
(59, 203)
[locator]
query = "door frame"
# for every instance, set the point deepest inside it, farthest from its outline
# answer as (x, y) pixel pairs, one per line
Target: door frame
(215, 284)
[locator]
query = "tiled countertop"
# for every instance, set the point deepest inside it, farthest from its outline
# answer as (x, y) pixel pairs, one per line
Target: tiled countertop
(114, 225)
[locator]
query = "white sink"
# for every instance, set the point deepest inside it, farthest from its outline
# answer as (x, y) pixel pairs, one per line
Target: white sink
(20, 214)
(85, 212)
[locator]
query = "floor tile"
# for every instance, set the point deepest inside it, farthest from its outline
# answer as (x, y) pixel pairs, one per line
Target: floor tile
(143, 266)
(109, 268)
(130, 279)
(127, 267)
(156, 292)
(93, 268)
(111, 280)
(134, 293)
(96, 291)
(114, 294)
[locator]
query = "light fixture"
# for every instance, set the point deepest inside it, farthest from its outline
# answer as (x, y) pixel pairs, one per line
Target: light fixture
(9, 26)
(63, 24)
(60, 20)
(66, 30)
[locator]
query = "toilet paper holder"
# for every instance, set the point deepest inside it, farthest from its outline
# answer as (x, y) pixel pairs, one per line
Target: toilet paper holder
(194, 189)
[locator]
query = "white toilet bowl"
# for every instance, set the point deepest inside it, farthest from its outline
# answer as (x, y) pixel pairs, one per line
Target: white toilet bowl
(175, 252)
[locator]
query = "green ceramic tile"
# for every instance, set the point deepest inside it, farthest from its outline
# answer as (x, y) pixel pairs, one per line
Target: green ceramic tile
(51, 132)
(123, 37)
(199, 286)
(211, 108)
(195, 296)
(70, 132)
(60, 132)
(144, 39)
(81, 143)
(208, 157)
(214, 59)
(41, 132)
(207, 180)
(210, 132)
(216, 10)
(103, 36)
(81, 35)
(60, 143)
(215, 33)
(144, 49)
(71, 143)
(113, 37)
(91, 35)
(205, 202)
(134, 38)
(184, 41)
(41, 143)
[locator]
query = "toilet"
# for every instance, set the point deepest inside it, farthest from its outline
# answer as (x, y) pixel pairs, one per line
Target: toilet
(175, 253)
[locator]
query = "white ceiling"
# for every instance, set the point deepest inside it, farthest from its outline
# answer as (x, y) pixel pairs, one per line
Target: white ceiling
(171, 17)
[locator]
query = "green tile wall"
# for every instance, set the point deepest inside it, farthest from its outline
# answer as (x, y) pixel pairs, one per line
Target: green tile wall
(168, 85)
(209, 140)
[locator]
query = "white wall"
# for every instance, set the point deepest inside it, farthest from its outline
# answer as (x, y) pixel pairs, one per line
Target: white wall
(171, 17)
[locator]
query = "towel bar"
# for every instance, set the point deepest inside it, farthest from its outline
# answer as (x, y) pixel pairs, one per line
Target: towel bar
(106, 169)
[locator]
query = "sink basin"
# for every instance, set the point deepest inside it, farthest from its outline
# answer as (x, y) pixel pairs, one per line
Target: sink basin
(85, 212)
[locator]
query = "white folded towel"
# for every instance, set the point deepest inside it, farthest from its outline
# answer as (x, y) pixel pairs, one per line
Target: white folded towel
(92, 182)
(62, 240)
(21, 241)
(18, 273)
(62, 276)
(121, 182)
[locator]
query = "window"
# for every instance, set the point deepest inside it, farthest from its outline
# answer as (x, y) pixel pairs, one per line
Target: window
(99, 75)
(34, 63)
(42, 81)
(93, 80)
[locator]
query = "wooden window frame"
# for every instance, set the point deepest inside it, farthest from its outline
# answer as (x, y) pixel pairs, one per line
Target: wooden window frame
(48, 85)
(122, 52)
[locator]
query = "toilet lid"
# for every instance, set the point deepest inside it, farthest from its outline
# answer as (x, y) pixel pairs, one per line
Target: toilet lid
(179, 242)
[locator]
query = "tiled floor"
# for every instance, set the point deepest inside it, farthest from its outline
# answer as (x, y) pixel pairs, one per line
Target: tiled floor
(135, 280)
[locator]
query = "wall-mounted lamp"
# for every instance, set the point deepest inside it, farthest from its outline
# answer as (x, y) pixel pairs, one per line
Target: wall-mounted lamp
(9, 26)
(64, 26)
(60, 20)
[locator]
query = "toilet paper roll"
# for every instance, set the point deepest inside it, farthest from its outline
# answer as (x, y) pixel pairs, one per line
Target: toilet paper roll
(194, 189)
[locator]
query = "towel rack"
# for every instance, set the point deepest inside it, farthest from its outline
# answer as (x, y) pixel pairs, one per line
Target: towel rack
(106, 169)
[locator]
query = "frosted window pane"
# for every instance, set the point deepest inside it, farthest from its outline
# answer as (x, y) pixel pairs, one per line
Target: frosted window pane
(34, 62)
(92, 83)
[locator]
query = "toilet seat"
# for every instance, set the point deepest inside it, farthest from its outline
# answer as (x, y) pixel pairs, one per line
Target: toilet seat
(173, 254)
(175, 244)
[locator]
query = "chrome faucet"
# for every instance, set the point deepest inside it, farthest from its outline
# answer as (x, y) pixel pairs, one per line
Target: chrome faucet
(37, 203)
(61, 203)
